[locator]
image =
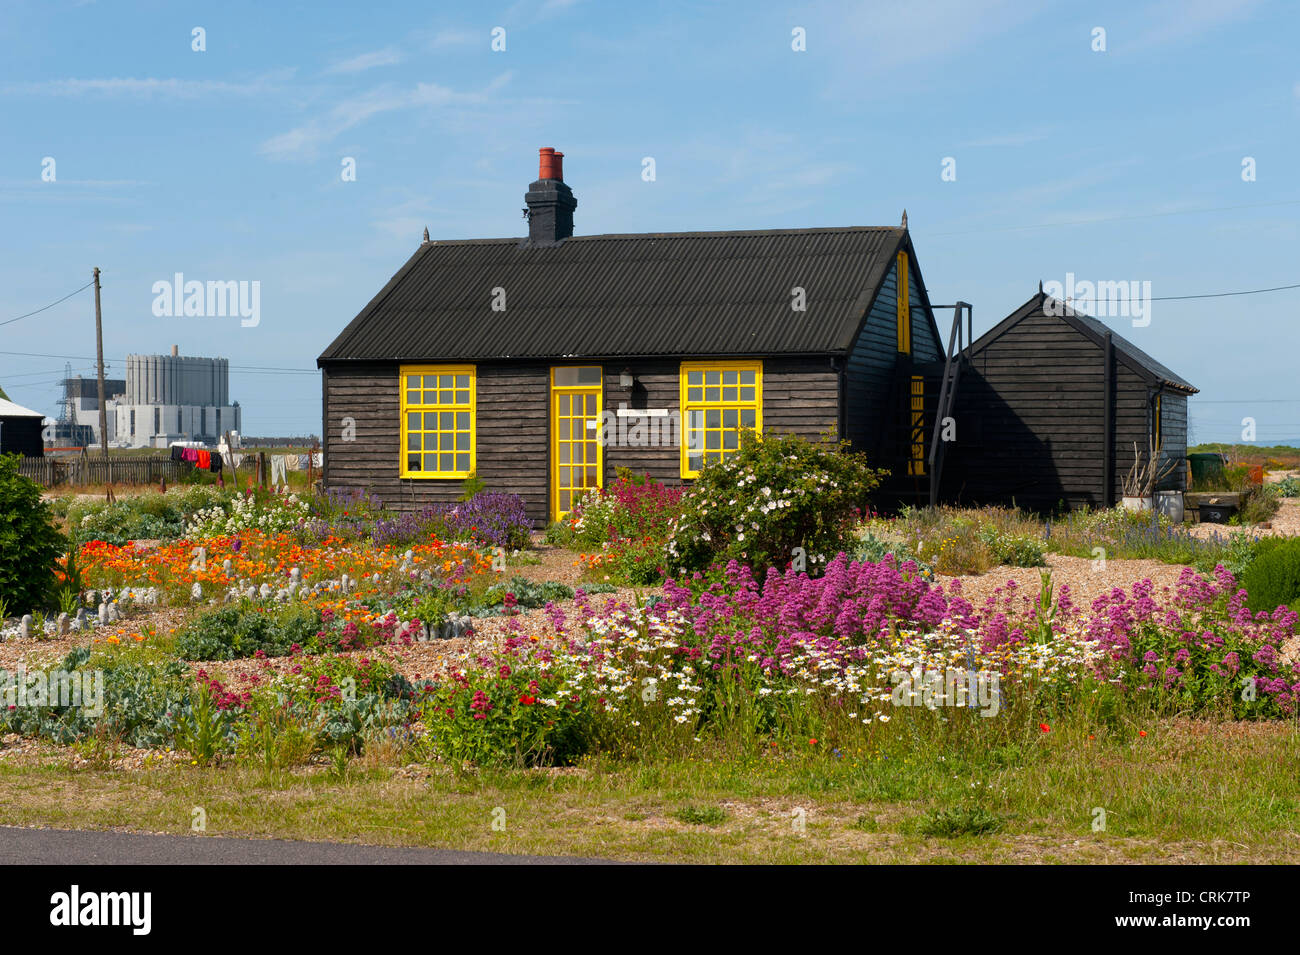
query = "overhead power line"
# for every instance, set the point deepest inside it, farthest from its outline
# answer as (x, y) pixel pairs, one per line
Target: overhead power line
(10, 321)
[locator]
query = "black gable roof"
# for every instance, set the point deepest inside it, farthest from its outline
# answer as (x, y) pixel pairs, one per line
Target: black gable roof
(1132, 356)
(682, 293)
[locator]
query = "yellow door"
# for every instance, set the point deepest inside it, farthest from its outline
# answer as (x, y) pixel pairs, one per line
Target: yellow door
(577, 461)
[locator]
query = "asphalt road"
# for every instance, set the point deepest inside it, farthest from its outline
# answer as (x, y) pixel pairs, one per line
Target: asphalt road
(65, 847)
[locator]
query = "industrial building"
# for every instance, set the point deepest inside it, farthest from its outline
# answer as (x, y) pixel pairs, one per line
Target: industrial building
(169, 398)
(78, 422)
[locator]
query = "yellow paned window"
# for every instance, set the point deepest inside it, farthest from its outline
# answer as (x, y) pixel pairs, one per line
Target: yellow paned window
(438, 421)
(718, 401)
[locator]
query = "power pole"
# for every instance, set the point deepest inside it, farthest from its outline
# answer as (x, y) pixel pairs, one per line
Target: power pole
(99, 353)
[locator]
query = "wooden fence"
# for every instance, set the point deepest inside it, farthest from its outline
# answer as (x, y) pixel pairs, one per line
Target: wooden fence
(51, 472)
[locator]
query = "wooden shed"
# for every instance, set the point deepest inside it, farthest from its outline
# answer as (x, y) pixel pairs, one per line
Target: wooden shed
(20, 430)
(1049, 406)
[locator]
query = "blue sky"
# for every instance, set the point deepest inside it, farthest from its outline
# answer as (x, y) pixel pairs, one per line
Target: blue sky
(225, 164)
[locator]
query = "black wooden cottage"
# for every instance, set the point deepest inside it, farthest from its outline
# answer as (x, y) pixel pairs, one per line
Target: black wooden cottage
(1050, 404)
(544, 364)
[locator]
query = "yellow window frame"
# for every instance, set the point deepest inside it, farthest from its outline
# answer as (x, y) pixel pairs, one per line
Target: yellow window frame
(558, 391)
(687, 404)
(904, 306)
(916, 463)
(426, 401)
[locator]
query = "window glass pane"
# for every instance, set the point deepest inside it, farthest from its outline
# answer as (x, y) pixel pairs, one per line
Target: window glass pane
(589, 375)
(412, 397)
(431, 381)
(747, 417)
(591, 405)
(413, 462)
(430, 462)
(577, 452)
(695, 439)
(713, 419)
(566, 502)
(712, 440)
(712, 377)
(430, 421)
(747, 378)
(462, 397)
(446, 462)
(566, 477)
(695, 378)
(446, 441)
(462, 421)
(729, 418)
(564, 404)
(413, 442)
(462, 381)
(413, 381)
(564, 452)
(446, 397)
(711, 394)
(447, 420)
(729, 394)
(444, 381)
(694, 462)
(590, 477)
(729, 377)
(731, 440)
(564, 429)
(462, 462)
(746, 394)
(413, 421)
(462, 441)
(694, 420)
(694, 394)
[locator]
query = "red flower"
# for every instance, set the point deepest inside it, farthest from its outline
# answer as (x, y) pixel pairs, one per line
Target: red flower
(1044, 727)
(528, 699)
(1142, 732)
(812, 742)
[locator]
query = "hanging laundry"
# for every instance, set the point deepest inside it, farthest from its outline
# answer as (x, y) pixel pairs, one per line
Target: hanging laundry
(319, 459)
(278, 470)
(205, 459)
(190, 454)
(302, 462)
(176, 452)
(215, 466)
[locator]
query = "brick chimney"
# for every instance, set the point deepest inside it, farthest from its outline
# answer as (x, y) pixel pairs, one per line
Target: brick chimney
(550, 201)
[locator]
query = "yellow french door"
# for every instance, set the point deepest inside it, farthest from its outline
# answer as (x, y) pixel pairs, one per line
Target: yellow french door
(577, 460)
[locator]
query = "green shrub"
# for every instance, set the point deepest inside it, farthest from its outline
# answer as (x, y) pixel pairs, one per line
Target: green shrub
(528, 594)
(776, 498)
(1273, 578)
(234, 632)
(1014, 550)
(30, 543)
(1289, 487)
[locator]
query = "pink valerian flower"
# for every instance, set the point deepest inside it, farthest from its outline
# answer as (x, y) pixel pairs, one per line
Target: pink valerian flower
(481, 705)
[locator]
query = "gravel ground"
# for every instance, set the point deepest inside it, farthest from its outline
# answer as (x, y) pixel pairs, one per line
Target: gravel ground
(1285, 523)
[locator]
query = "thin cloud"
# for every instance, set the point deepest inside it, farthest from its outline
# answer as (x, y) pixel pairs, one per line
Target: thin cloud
(1007, 139)
(368, 61)
(142, 87)
(306, 140)
(446, 38)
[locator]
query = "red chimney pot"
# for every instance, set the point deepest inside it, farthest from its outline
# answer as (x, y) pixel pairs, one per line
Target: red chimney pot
(550, 164)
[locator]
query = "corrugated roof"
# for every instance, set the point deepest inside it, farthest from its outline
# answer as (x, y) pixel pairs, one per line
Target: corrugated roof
(1130, 354)
(10, 410)
(697, 293)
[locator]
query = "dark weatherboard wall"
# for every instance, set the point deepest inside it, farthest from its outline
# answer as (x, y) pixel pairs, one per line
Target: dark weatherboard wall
(1042, 419)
